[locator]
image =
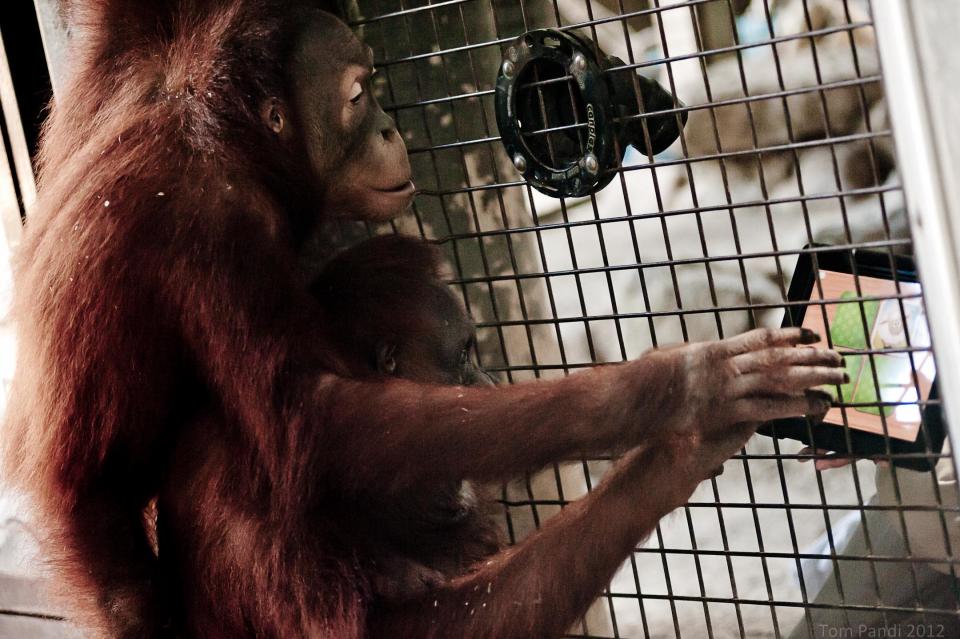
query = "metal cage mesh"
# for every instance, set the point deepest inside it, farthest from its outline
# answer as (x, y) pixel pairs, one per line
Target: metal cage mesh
(788, 144)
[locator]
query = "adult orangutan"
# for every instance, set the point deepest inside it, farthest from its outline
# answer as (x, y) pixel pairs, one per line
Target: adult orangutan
(195, 144)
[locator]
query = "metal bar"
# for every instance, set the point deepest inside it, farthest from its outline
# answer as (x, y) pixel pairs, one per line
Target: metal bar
(687, 211)
(23, 169)
(55, 36)
(638, 65)
(913, 38)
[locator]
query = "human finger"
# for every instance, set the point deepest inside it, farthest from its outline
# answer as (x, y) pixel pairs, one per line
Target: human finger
(822, 459)
(831, 461)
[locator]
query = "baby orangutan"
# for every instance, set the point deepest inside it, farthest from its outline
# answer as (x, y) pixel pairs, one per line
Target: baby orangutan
(392, 317)
(405, 541)
(368, 294)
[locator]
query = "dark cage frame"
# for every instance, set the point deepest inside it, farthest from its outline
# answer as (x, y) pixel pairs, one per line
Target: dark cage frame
(788, 145)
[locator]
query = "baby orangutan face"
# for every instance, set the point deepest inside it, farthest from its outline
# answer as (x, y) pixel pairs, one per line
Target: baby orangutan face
(439, 348)
(383, 298)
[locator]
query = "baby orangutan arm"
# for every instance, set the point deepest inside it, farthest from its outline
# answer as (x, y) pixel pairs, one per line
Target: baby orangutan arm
(542, 586)
(403, 434)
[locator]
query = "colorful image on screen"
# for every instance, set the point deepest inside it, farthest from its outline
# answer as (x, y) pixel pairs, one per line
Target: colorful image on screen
(876, 325)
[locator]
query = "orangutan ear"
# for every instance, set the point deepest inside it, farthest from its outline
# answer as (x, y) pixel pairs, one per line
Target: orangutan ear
(387, 359)
(273, 115)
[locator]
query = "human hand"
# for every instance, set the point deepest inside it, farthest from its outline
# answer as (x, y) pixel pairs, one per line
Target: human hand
(825, 459)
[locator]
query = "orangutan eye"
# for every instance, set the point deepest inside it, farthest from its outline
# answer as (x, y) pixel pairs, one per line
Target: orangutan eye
(390, 365)
(356, 92)
(466, 352)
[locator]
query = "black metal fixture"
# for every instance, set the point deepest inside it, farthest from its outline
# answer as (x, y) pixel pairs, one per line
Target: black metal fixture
(565, 111)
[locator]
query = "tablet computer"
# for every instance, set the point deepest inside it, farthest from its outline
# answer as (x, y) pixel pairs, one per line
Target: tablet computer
(868, 306)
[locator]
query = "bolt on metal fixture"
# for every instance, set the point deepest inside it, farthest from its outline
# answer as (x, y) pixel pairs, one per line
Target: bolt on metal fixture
(590, 163)
(520, 163)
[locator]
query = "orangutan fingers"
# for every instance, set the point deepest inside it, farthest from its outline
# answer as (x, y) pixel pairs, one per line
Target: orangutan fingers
(767, 408)
(762, 338)
(785, 356)
(787, 381)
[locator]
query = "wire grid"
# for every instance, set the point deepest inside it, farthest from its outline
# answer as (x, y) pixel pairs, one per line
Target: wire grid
(697, 243)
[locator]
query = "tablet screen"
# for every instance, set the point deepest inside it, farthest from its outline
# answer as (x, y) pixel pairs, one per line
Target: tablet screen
(877, 324)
